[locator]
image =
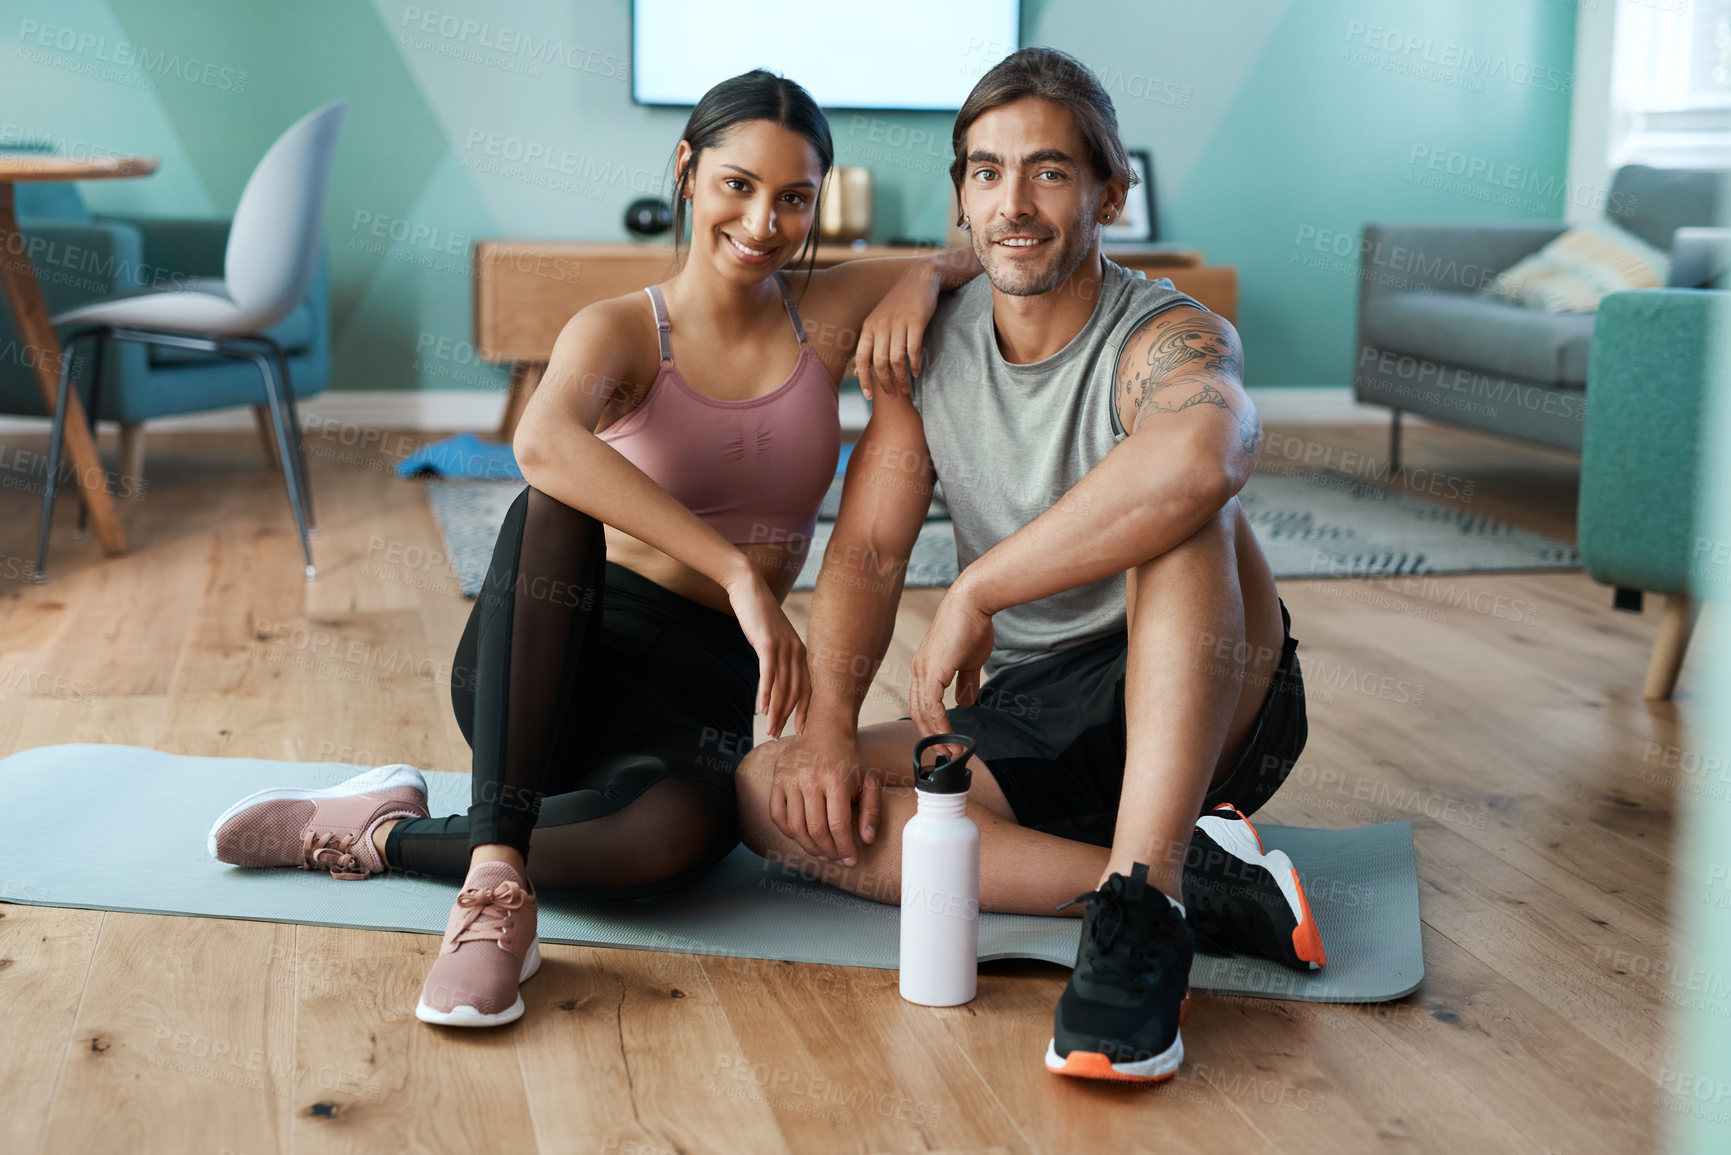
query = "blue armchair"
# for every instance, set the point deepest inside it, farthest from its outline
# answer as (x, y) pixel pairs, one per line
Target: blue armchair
(1654, 368)
(81, 258)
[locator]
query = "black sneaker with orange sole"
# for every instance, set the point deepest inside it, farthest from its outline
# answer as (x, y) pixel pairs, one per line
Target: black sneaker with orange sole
(1240, 899)
(1119, 1016)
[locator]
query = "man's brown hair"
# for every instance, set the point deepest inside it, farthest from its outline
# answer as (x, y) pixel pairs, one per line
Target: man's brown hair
(1051, 75)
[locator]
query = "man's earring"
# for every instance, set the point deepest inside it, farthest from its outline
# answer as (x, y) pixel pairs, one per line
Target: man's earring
(1109, 215)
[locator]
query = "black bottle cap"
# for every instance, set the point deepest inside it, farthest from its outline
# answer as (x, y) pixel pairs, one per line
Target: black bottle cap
(947, 775)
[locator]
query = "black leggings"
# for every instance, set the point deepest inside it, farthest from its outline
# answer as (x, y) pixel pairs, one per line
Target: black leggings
(606, 714)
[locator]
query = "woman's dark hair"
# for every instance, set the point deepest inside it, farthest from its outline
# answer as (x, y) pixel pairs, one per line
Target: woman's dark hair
(754, 95)
(1065, 81)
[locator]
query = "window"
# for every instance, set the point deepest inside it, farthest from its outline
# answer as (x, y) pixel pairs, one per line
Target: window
(1671, 83)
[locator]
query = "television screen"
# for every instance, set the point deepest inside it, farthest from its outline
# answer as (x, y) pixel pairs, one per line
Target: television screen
(888, 54)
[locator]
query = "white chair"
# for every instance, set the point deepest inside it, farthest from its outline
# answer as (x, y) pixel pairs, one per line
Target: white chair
(268, 266)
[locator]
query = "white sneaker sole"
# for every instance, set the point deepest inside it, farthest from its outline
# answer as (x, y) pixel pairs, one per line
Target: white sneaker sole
(1093, 1065)
(367, 782)
(467, 1016)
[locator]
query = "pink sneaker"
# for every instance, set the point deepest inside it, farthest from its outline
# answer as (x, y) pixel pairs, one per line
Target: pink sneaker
(319, 829)
(490, 946)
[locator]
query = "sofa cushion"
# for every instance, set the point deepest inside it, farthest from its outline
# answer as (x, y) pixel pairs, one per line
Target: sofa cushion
(1573, 273)
(294, 333)
(1459, 329)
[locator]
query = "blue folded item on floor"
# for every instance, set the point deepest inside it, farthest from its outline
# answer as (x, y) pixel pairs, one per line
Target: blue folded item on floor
(463, 455)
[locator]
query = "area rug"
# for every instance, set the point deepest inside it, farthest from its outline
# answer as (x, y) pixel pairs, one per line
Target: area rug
(1311, 524)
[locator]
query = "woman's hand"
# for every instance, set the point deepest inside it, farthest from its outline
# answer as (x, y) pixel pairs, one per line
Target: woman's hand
(891, 335)
(783, 683)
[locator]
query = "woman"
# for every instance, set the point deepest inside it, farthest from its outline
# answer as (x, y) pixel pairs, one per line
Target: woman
(676, 451)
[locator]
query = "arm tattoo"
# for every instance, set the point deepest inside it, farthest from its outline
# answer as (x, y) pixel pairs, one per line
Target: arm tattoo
(1189, 342)
(1207, 395)
(1249, 430)
(1182, 365)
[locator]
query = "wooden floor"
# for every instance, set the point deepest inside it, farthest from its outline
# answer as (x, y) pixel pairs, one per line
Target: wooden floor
(1501, 714)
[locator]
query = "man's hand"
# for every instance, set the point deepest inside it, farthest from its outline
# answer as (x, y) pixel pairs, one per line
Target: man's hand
(953, 650)
(816, 779)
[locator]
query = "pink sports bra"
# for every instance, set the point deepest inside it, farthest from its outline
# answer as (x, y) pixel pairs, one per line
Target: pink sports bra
(755, 470)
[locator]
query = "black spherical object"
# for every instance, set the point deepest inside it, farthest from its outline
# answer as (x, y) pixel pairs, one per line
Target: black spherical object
(648, 217)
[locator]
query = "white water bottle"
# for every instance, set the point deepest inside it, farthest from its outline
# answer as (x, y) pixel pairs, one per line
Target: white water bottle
(940, 942)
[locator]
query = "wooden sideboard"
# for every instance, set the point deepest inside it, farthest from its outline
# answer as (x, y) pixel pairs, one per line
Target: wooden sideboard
(525, 291)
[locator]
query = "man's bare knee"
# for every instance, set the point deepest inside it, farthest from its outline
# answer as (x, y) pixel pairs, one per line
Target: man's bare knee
(751, 782)
(757, 765)
(1211, 545)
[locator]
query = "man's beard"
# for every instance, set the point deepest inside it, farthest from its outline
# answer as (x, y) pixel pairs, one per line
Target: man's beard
(1007, 277)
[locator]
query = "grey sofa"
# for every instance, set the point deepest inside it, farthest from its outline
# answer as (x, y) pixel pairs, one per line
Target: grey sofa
(1427, 345)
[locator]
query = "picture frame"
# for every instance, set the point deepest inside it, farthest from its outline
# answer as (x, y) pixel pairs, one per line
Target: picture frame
(1139, 222)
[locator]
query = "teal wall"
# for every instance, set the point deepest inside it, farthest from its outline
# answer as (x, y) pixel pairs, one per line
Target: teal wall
(1278, 129)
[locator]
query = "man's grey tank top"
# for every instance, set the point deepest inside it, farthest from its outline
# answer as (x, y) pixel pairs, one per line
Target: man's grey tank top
(1008, 440)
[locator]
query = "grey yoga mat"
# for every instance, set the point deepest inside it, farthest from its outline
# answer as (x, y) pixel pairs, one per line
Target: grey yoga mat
(139, 818)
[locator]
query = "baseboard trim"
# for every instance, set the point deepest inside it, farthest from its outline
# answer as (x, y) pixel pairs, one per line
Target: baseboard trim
(417, 410)
(480, 409)
(1314, 405)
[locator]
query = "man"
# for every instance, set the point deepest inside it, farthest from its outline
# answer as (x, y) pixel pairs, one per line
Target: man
(1090, 432)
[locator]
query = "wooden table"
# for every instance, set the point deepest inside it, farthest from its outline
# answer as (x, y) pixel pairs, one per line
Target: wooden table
(525, 291)
(30, 313)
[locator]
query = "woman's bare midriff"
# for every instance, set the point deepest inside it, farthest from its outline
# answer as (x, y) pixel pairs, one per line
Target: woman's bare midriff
(777, 563)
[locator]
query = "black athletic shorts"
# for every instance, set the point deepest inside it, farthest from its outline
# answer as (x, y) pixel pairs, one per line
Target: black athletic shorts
(681, 683)
(1052, 732)
(677, 683)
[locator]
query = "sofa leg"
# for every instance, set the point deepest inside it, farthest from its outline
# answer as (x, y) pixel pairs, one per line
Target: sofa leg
(1676, 623)
(261, 421)
(132, 452)
(1394, 441)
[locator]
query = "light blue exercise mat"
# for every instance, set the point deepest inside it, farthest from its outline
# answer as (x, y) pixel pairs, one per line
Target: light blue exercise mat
(139, 818)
